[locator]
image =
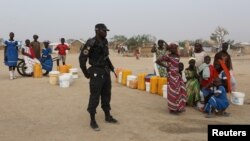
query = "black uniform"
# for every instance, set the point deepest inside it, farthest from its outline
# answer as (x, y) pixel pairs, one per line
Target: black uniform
(98, 72)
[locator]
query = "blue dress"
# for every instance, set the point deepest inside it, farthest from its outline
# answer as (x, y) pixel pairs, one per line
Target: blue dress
(11, 54)
(219, 102)
(46, 59)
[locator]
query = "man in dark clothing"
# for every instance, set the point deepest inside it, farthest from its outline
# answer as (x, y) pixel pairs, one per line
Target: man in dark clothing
(223, 52)
(36, 46)
(96, 50)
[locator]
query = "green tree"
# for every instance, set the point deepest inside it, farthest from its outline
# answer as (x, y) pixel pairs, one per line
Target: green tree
(140, 41)
(119, 38)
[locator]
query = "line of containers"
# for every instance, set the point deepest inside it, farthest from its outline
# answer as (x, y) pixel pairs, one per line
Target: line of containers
(149, 82)
(63, 76)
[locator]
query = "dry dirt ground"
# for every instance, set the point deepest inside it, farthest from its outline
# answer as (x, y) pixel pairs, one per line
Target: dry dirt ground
(33, 110)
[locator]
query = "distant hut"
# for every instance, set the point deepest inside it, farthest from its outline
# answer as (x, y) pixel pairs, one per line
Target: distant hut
(76, 46)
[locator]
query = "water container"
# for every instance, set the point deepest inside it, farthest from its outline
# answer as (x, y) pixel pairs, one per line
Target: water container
(70, 77)
(165, 91)
(141, 81)
(120, 77)
(161, 81)
(74, 72)
(53, 77)
(129, 78)
(147, 86)
(154, 84)
(147, 78)
(63, 69)
(69, 66)
(125, 73)
(64, 81)
(237, 98)
(117, 71)
(133, 84)
(37, 71)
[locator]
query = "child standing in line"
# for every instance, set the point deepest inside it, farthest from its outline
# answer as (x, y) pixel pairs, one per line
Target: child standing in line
(46, 60)
(62, 51)
(11, 55)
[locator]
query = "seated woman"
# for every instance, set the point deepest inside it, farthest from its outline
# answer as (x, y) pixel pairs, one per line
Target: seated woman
(46, 59)
(29, 58)
(218, 103)
(192, 85)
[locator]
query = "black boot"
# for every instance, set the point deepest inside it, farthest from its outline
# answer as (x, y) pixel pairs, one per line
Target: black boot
(93, 123)
(109, 118)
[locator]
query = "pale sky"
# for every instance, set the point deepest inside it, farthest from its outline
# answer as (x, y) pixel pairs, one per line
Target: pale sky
(171, 20)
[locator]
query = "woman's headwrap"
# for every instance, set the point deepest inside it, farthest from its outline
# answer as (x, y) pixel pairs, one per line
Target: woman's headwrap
(173, 46)
(191, 58)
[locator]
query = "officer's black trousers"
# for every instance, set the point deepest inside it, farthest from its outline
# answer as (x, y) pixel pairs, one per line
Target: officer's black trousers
(100, 86)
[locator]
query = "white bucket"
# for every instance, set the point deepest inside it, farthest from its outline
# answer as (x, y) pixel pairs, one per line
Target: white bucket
(53, 77)
(237, 98)
(74, 72)
(70, 77)
(129, 78)
(120, 77)
(64, 80)
(147, 86)
(165, 91)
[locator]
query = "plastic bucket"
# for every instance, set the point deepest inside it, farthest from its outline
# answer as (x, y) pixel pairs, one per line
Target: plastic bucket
(63, 69)
(161, 81)
(70, 77)
(64, 81)
(129, 78)
(37, 71)
(53, 77)
(141, 81)
(74, 72)
(147, 86)
(154, 84)
(165, 91)
(237, 98)
(120, 77)
(125, 73)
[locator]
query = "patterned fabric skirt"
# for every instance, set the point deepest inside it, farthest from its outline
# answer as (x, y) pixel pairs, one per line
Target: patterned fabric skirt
(177, 96)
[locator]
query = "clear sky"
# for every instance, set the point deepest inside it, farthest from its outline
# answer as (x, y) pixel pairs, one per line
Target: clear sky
(171, 20)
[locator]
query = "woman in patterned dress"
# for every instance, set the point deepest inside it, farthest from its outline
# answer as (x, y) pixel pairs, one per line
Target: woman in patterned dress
(177, 95)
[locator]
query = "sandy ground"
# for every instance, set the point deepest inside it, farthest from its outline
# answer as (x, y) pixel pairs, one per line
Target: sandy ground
(33, 110)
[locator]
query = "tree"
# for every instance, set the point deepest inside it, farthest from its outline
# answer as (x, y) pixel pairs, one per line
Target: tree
(140, 41)
(119, 38)
(219, 35)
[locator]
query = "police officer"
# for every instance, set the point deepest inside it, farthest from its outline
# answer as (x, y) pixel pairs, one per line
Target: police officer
(96, 50)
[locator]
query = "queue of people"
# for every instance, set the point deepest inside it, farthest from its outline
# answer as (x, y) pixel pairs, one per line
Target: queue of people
(204, 86)
(201, 81)
(32, 53)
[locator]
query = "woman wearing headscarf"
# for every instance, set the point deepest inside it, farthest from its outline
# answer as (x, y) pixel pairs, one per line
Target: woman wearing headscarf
(159, 52)
(199, 54)
(177, 95)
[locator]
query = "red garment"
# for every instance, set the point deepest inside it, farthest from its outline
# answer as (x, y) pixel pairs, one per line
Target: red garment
(213, 75)
(32, 52)
(62, 49)
(226, 70)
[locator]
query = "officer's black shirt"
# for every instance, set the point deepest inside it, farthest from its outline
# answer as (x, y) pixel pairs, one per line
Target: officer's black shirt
(97, 52)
